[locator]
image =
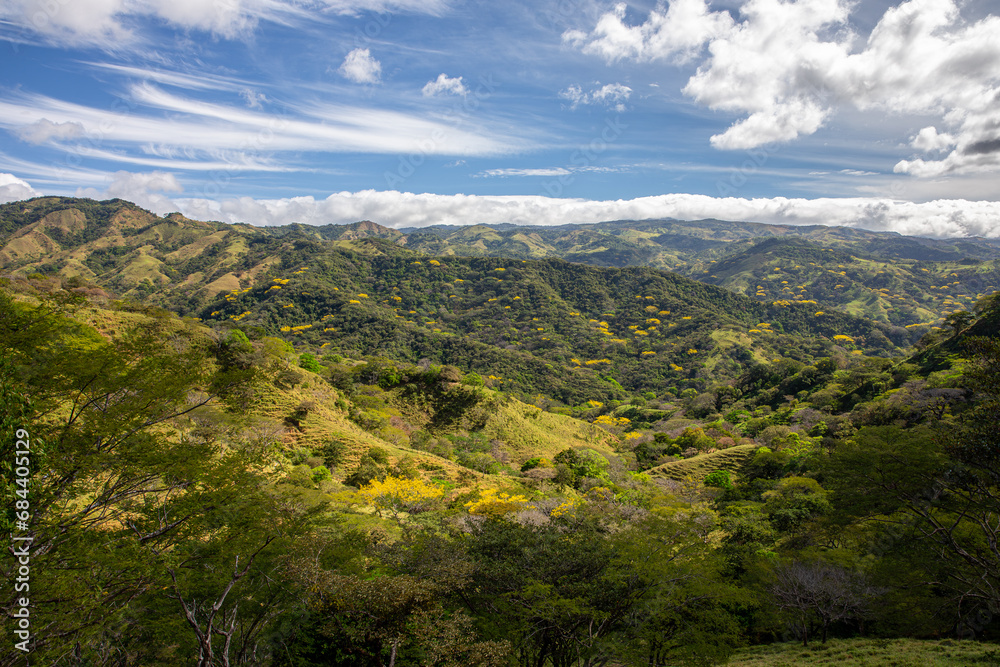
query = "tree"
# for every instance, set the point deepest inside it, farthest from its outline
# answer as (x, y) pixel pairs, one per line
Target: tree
(566, 592)
(129, 500)
(959, 321)
(400, 494)
(819, 593)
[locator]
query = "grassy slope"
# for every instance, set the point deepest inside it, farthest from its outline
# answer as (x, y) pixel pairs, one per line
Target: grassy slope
(524, 430)
(697, 467)
(871, 653)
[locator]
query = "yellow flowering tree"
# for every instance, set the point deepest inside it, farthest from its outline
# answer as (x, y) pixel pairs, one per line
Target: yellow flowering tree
(400, 494)
(496, 503)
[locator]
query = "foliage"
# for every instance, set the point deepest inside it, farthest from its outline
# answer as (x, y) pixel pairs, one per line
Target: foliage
(719, 479)
(399, 494)
(494, 503)
(187, 474)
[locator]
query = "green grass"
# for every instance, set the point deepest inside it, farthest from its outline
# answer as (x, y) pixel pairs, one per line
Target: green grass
(871, 653)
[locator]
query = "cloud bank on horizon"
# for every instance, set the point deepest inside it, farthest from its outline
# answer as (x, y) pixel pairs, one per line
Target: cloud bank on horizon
(941, 218)
(880, 115)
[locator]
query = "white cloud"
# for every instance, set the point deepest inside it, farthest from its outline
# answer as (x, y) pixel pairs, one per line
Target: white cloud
(198, 129)
(555, 171)
(145, 189)
(13, 188)
(355, 7)
(929, 140)
(676, 32)
(44, 130)
(789, 66)
(186, 80)
(69, 21)
(574, 94)
(941, 218)
(444, 85)
(360, 67)
(253, 99)
(612, 95)
(858, 172)
(548, 171)
(153, 190)
(113, 24)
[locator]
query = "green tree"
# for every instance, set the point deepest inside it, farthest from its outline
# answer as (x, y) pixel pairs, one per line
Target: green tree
(124, 497)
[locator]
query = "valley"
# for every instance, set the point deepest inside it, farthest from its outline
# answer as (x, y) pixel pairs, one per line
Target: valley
(623, 443)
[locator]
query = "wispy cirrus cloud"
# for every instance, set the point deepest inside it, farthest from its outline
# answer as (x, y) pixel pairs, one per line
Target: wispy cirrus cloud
(156, 122)
(178, 79)
(115, 24)
(547, 171)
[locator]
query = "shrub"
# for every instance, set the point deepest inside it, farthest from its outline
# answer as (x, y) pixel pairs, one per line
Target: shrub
(300, 475)
(480, 461)
(332, 453)
(473, 380)
(719, 479)
(300, 454)
(309, 363)
(536, 462)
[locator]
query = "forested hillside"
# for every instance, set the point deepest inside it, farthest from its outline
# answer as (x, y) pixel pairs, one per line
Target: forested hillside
(317, 446)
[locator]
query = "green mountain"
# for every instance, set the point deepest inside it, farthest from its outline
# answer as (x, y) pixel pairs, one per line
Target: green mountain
(569, 331)
(325, 446)
(896, 280)
(902, 292)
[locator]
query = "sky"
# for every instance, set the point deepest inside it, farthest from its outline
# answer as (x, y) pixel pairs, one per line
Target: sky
(872, 114)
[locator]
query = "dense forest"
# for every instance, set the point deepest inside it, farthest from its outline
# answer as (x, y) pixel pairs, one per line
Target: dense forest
(325, 446)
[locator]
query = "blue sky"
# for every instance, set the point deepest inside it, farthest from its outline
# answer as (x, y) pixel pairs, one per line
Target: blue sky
(875, 114)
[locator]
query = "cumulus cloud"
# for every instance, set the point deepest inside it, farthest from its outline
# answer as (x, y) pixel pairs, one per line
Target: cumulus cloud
(445, 85)
(13, 188)
(613, 95)
(942, 218)
(148, 190)
(789, 66)
(360, 67)
(929, 140)
(44, 130)
(676, 32)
